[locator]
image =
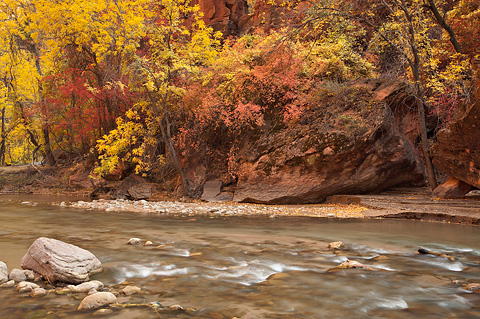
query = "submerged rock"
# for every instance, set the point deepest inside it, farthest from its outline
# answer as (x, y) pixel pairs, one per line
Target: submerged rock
(17, 275)
(97, 300)
(57, 261)
(3, 272)
(351, 264)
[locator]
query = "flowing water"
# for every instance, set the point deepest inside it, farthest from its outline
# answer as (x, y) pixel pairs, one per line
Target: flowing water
(253, 267)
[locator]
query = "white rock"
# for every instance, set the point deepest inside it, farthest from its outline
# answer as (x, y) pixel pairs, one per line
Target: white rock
(3, 272)
(17, 275)
(134, 241)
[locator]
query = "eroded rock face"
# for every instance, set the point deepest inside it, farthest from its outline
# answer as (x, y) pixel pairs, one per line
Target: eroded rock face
(457, 151)
(305, 164)
(57, 261)
(223, 15)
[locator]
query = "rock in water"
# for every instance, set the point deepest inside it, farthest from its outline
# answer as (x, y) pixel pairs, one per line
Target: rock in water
(17, 275)
(131, 290)
(87, 286)
(335, 245)
(25, 286)
(57, 261)
(3, 272)
(97, 300)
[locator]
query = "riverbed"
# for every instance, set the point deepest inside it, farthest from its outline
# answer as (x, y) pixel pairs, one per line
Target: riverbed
(222, 266)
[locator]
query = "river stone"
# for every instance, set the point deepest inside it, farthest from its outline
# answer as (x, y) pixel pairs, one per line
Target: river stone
(38, 292)
(134, 241)
(57, 261)
(86, 286)
(8, 284)
(25, 286)
(30, 275)
(98, 300)
(17, 275)
(3, 272)
(131, 290)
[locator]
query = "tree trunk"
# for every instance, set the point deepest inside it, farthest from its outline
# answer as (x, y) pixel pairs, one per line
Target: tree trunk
(45, 130)
(3, 142)
(441, 21)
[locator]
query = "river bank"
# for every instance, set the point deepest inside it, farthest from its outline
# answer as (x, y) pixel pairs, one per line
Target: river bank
(404, 203)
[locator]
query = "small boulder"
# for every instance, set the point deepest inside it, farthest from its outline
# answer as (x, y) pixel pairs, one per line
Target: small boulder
(57, 261)
(452, 188)
(148, 243)
(38, 292)
(3, 272)
(25, 286)
(336, 245)
(86, 286)
(131, 290)
(8, 284)
(97, 300)
(17, 275)
(140, 191)
(134, 241)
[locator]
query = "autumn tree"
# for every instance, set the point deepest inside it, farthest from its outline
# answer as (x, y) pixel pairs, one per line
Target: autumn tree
(404, 28)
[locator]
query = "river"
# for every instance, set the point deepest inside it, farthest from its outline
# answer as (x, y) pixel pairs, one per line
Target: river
(239, 267)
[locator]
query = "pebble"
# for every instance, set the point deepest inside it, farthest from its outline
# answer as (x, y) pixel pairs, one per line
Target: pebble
(222, 209)
(134, 241)
(148, 243)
